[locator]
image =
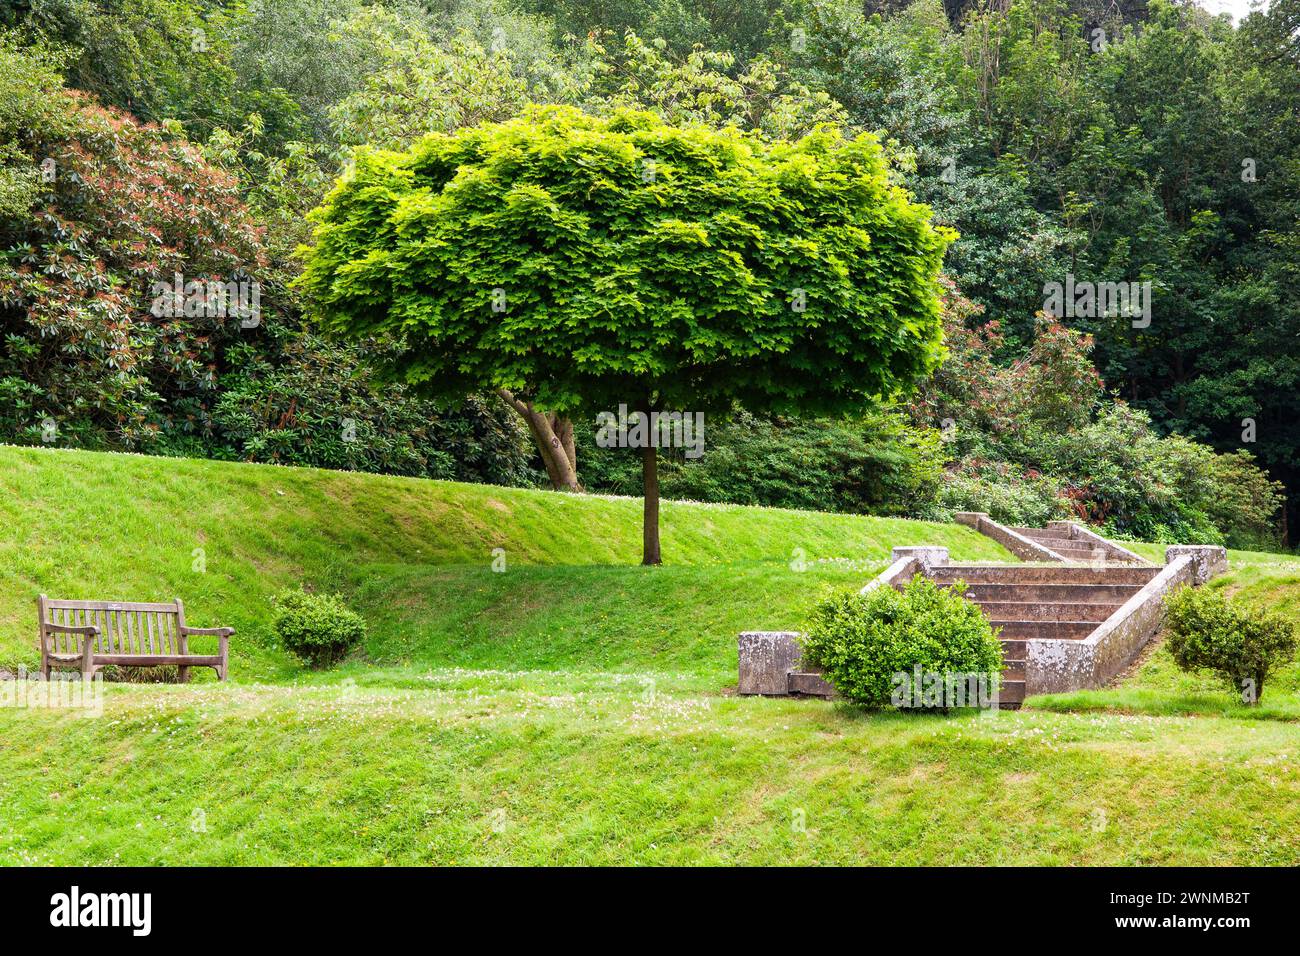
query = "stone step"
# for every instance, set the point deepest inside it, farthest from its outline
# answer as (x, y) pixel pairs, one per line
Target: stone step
(1011, 692)
(1045, 630)
(1044, 534)
(1013, 650)
(1048, 611)
(1077, 552)
(810, 684)
(1043, 574)
(1052, 593)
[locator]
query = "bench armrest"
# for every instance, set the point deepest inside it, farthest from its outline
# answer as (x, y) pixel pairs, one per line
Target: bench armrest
(89, 630)
(207, 631)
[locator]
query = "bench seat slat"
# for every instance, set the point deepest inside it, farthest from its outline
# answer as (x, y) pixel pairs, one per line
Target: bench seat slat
(145, 660)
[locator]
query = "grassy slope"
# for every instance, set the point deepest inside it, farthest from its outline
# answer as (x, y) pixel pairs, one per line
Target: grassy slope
(416, 555)
(567, 711)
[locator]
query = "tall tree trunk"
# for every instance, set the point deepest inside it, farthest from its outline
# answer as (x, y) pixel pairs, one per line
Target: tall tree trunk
(554, 437)
(650, 489)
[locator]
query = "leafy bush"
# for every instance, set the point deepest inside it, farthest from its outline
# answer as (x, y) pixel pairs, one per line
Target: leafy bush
(319, 404)
(1244, 503)
(1007, 493)
(872, 464)
(319, 628)
(861, 641)
(83, 345)
(1241, 645)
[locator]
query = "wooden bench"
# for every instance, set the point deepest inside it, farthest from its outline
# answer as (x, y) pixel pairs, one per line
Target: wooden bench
(90, 635)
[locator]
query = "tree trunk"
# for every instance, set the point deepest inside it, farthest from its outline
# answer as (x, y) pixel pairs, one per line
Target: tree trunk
(563, 428)
(553, 435)
(650, 519)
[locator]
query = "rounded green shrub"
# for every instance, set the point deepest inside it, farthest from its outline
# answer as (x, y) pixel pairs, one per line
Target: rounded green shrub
(318, 628)
(1240, 645)
(871, 646)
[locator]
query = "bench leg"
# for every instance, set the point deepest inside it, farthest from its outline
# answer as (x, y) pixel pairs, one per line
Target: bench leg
(183, 673)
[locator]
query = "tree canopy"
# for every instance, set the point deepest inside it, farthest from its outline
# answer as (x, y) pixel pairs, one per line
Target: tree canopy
(588, 262)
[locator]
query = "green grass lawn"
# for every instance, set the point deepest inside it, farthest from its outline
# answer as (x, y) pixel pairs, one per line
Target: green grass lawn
(575, 708)
(569, 767)
(416, 556)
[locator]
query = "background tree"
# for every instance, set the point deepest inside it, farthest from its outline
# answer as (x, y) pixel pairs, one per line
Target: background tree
(585, 262)
(124, 206)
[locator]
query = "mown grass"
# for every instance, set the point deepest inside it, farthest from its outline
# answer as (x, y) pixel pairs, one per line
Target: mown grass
(588, 768)
(416, 556)
(678, 618)
(573, 708)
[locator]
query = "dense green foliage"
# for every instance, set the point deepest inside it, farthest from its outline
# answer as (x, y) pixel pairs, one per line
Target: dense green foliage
(127, 207)
(603, 262)
(877, 463)
(1239, 644)
(1038, 439)
(317, 403)
(319, 628)
(1165, 154)
(878, 646)
(577, 260)
(95, 209)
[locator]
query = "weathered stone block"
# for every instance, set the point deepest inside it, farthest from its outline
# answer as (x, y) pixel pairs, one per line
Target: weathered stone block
(1210, 559)
(810, 684)
(929, 556)
(766, 660)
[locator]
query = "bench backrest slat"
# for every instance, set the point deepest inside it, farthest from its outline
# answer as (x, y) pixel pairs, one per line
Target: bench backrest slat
(125, 627)
(169, 608)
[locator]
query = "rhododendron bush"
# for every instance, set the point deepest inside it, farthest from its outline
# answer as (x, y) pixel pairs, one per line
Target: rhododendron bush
(91, 349)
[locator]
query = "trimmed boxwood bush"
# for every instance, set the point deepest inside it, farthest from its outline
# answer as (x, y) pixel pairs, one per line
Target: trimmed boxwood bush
(1239, 644)
(319, 628)
(861, 641)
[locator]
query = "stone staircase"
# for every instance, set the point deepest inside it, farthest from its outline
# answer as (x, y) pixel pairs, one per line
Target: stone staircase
(1073, 613)
(1037, 601)
(1064, 541)
(1059, 541)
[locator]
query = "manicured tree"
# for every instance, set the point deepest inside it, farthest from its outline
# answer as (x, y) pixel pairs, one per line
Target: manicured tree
(581, 262)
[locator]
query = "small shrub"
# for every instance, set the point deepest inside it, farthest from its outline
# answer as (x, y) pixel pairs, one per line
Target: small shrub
(319, 628)
(1207, 631)
(861, 641)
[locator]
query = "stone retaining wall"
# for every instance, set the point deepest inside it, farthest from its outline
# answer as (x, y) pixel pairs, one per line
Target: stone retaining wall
(1056, 666)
